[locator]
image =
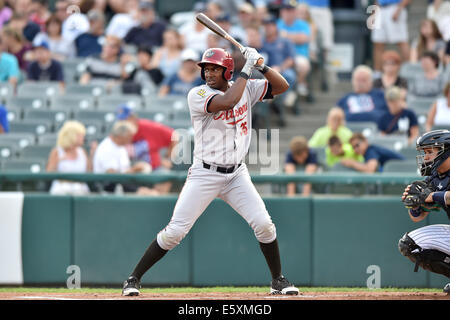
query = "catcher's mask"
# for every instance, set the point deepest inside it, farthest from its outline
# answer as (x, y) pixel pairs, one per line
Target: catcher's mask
(220, 57)
(439, 140)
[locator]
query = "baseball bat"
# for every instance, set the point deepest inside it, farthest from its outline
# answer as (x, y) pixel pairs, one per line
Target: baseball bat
(214, 27)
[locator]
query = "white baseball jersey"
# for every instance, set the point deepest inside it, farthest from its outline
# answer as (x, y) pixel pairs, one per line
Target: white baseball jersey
(223, 138)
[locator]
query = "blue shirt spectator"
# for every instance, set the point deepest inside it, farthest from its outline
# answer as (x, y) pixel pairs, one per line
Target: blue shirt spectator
(310, 159)
(374, 156)
(4, 125)
(317, 3)
(9, 67)
(403, 121)
(364, 103)
(381, 154)
(88, 44)
(44, 68)
(298, 26)
(178, 86)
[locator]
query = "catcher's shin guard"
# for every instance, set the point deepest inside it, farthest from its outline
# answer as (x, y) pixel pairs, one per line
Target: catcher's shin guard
(429, 259)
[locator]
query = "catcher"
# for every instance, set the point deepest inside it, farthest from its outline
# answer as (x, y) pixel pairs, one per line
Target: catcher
(429, 247)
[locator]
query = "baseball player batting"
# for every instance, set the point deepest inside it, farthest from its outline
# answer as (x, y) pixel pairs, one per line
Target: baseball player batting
(429, 247)
(221, 117)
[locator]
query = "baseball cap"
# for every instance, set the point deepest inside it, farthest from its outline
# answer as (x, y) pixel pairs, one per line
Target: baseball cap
(189, 54)
(146, 5)
(42, 44)
(123, 112)
(289, 4)
(269, 19)
(223, 17)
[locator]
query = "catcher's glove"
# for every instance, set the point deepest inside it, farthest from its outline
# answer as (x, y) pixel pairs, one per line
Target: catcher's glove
(417, 194)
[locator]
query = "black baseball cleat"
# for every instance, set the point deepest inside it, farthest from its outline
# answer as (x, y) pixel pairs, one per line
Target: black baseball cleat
(447, 288)
(281, 285)
(131, 287)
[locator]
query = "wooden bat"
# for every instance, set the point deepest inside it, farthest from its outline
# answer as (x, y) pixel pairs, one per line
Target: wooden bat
(214, 27)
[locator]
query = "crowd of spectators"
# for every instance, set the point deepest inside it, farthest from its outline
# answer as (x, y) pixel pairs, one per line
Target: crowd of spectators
(126, 44)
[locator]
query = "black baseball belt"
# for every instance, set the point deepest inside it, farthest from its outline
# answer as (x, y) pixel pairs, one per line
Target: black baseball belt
(222, 169)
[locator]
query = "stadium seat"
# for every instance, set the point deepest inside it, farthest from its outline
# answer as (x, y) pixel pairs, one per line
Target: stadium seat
(158, 116)
(8, 150)
(72, 102)
(420, 104)
(36, 127)
(14, 114)
(26, 102)
(393, 141)
(99, 115)
(181, 115)
(408, 166)
(6, 91)
(24, 165)
(178, 124)
(409, 153)
(35, 152)
(20, 139)
(43, 89)
(113, 102)
(56, 116)
(92, 90)
(168, 103)
(49, 138)
(367, 128)
(440, 127)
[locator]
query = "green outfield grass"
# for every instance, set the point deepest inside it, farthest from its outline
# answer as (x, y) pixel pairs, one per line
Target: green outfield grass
(208, 289)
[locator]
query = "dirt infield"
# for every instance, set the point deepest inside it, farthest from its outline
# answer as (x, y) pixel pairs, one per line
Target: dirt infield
(360, 295)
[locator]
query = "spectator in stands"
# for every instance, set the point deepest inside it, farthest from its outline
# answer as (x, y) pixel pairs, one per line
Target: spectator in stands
(44, 68)
(16, 45)
(398, 119)
(214, 9)
(280, 56)
(107, 67)
(60, 47)
(304, 13)
(187, 77)
(90, 43)
(39, 12)
(144, 76)
(365, 103)
(150, 137)
(75, 21)
(430, 39)
(245, 19)
(69, 157)
(28, 29)
(447, 54)
(431, 82)
(123, 21)
(374, 156)
(335, 127)
(337, 151)
(61, 9)
(390, 27)
(439, 114)
(299, 32)
(323, 20)
(224, 21)
(111, 156)
(391, 63)
(149, 31)
(5, 13)
(4, 124)
(300, 155)
(193, 34)
(9, 66)
(439, 12)
(168, 57)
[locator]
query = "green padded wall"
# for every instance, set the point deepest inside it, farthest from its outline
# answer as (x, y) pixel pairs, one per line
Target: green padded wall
(46, 238)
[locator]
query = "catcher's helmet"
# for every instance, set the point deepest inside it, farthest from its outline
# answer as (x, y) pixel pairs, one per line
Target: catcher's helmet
(433, 139)
(220, 57)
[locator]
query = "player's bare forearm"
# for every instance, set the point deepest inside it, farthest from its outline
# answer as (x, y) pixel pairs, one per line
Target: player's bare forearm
(231, 97)
(277, 81)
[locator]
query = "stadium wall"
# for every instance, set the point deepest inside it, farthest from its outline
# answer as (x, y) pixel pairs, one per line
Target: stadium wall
(323, 242)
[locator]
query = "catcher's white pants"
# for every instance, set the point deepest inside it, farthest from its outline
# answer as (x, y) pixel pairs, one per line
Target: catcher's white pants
(201, 187)
(435, 236)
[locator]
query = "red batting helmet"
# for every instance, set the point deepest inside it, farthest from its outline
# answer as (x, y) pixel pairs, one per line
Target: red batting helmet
(220, 57)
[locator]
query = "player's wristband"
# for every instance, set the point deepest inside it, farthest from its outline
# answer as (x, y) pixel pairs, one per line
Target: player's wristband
(264, 69)
(244, 75)
(416, 212)
(439, 197)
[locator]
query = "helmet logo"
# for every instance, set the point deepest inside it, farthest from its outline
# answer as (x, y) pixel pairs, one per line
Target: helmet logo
(209, 54)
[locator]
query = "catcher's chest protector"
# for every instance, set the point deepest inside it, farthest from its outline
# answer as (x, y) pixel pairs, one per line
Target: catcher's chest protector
(441, 183)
